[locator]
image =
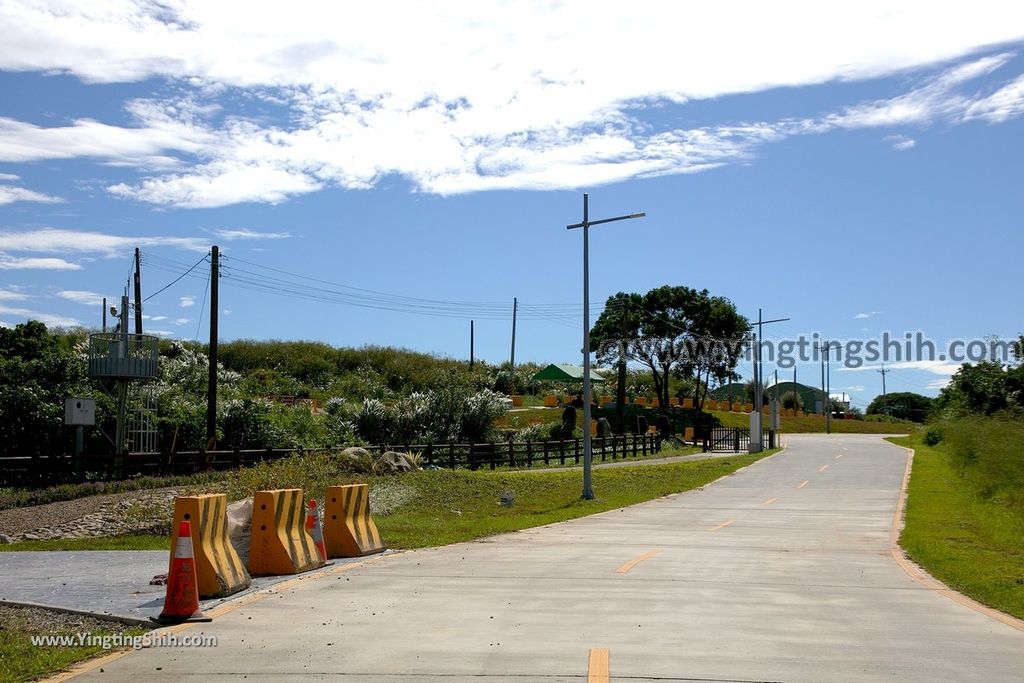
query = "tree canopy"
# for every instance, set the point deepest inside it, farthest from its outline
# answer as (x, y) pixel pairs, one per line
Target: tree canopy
(904, 405)
(673, 331)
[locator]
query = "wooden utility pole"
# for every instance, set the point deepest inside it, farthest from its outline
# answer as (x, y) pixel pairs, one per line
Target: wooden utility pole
(211, 390)
(470, 344)
(512, 358)
(620, 393)
(138, 295)
(104, 314)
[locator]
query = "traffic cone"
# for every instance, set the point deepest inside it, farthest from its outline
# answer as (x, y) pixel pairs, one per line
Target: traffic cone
(182, 602)
(315, 527)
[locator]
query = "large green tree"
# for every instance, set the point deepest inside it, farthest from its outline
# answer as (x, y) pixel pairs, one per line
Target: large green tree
(36, 375)
(672, 330)
(903, 405)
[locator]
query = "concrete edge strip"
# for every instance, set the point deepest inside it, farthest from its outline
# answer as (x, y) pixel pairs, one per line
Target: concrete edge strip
(921, 576)
(127, 621)
(220, 610)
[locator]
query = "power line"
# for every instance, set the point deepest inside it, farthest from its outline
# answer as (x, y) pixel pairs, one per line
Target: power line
(175, 280)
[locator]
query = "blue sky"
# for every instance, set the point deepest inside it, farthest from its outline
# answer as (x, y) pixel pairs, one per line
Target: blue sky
(856, 168)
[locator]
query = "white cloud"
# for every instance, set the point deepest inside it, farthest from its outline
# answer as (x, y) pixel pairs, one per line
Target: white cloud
(62, 241)
(856, 388)
(81, 297)
(187, 301)
(45, 318)
(9, 177)
(16, 263)
(900, 143)
(182, 321)
(247, 234)
(862, 316)
(938, 383)
(491, 96)
(10, 194)
(12, 295)
(935, 367)
(1005, 103)
(157, 318)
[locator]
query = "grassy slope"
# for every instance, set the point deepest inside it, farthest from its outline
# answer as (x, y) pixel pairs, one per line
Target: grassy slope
(816, 423)
(460, 505)
(972, 545)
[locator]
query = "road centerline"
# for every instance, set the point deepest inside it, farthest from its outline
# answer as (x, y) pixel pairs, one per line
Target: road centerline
(722, 525)
(823, 468)
(769, 501)
(804, 483)
(598, 669)
(637, 560)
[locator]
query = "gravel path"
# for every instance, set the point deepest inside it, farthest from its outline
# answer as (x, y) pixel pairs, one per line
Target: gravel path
(103, 515)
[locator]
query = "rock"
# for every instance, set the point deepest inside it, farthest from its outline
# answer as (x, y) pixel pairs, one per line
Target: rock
(392, 461)
(356, 453)
(4, 538)
(31, 537)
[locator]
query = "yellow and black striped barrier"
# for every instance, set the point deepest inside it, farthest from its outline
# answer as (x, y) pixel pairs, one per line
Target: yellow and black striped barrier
(280, 543)
(219, 569)
(349, 530)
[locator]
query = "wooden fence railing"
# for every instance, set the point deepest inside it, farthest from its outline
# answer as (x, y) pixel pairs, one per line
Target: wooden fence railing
(45, 470)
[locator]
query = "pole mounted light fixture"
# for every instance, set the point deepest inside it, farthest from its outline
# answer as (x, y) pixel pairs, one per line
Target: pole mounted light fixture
(586, 224)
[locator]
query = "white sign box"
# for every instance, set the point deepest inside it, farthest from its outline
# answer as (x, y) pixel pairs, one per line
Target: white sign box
(80, 411)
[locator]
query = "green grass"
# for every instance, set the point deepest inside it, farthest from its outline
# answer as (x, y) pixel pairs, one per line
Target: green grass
(20, 660)
(813, 424)
(970, 541)
(452, 506)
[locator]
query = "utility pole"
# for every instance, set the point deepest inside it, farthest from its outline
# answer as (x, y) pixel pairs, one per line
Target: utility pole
(775, 401)
(883, 371)
(122, 386)
(794, 390)
(620, 393)
(211, 389)
(104, 315)
(588, 489)
(758, 389)
(470, 344)
(512, 358)
(826, 383)
(138, 295)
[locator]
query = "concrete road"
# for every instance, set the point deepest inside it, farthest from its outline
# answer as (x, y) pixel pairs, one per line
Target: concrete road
(781, 572)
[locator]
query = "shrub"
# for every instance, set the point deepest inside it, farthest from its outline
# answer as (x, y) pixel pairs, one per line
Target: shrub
(932, 436)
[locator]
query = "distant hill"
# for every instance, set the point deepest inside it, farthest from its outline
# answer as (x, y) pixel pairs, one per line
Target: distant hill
(809, 395)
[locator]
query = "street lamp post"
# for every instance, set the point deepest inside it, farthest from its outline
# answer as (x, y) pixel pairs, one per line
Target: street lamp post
(588, 488)
(826, 381)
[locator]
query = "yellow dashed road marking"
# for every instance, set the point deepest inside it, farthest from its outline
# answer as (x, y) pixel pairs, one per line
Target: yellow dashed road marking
(637, 560)
(823, 468)
(804, 483)
(769, 501)
(598, 670)
(722, 525)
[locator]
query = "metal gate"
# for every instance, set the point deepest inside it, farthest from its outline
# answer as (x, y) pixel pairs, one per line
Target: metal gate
(735, 439)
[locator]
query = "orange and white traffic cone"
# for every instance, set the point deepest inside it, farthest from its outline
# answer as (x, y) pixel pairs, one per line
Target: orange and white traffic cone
(182, 601)
(315, 527)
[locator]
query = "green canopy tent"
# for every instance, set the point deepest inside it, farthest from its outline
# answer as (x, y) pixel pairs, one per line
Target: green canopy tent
(565, 373)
